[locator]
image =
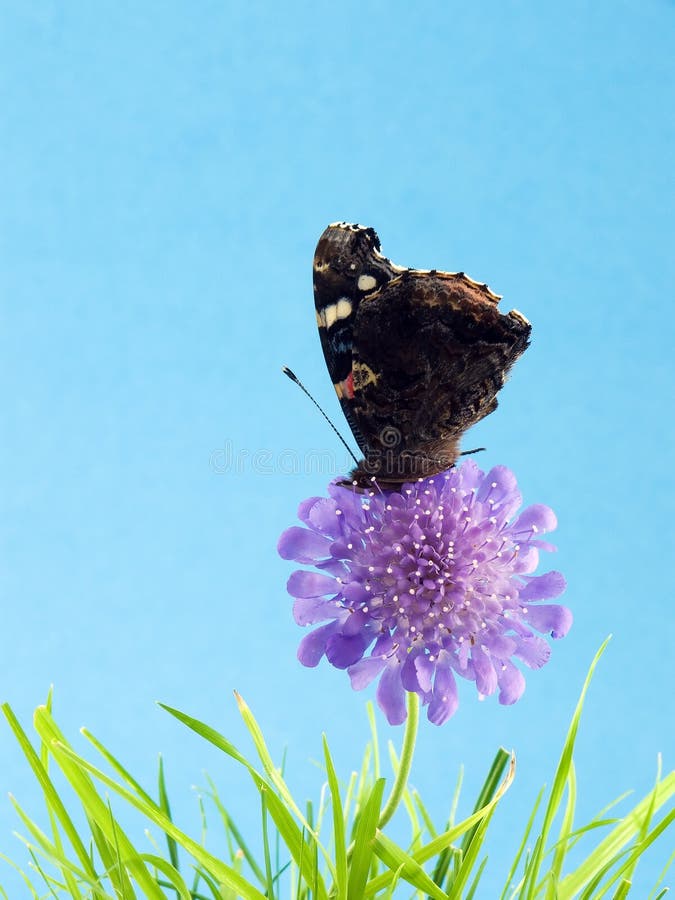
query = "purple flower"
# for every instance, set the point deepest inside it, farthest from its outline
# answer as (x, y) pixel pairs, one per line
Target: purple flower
(417, 585)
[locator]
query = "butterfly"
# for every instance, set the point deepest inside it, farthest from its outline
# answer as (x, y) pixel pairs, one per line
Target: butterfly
(416, 356)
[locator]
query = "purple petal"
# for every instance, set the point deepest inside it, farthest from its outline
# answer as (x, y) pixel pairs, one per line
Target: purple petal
(409, 675)
(302, 545)
(358, 623)
(511, 683)
(340, 550)
(544, 545)
(550, 618)
(527, 559)
(444, 700)
(384, 646)
(313, 645)
(500, 645)
(310, 584)
(365, 670)
(499, 483)
(461, 661)
(391, 696)
(536, 519)
(533, 651)
(343, 651)
(355, 592)
(469, 476)
(543, 587)
(305, 507)
(324, 518)
(310, 610)
(425, 670)
(333, 567)
(486, 677)
(416, 675)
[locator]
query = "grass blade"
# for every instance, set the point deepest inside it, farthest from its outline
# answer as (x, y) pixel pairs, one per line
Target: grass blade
(439, 843)
(402, 864)
(617, 839)
(165, 806)
(563, 844)
(522, 845)
(51, 795)
(558, 786)
(338, 826)
(283, 819)
(364, 833)
(77, 771)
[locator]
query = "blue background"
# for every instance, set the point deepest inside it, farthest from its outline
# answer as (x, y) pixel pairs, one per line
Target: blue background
(166, 171)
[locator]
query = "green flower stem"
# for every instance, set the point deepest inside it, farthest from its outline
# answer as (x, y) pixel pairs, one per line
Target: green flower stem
(405, 762)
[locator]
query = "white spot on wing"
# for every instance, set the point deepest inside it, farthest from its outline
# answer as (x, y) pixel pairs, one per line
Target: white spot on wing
(344, 308)
(366, 282)
(330, 314)
(336, 311)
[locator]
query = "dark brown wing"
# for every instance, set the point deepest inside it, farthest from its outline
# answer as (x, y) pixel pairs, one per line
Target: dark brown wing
(430, 352)
(347, 267)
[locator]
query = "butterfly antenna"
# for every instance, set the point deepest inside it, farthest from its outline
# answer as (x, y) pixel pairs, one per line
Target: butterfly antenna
(469, 452)
(295, 378)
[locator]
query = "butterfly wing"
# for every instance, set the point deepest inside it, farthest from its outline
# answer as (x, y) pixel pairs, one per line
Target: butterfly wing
(347, 267)
(416, 357)
(430, 353)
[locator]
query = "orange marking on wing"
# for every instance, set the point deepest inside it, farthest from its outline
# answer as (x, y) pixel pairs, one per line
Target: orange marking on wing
(345, 388)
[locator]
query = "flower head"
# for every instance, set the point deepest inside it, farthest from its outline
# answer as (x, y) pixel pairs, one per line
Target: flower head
(419, 584)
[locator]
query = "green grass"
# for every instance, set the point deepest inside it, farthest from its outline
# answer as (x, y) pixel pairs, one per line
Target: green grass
(336, 850)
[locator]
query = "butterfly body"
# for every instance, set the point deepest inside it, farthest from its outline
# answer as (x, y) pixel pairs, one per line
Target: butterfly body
(416, 357)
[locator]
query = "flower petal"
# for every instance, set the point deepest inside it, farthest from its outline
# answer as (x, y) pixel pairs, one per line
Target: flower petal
(355, 592)
(550, 618)
(310, 584)
(425, 670)
(343, 651)
(334, 567)
(391, 696)
(444, 701)
(527, 559)
(358, 623)
(500, 646)
(313, 645)
(543, 545)
(302, 545)
(511, 683)
(536, 519)
(533, 651)
(324, 518)
(486, 677)
(310, 610)
(305, 507)
(365, 670)
(499, 483)
(409, 675)
(543, 587)
(469, 476)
